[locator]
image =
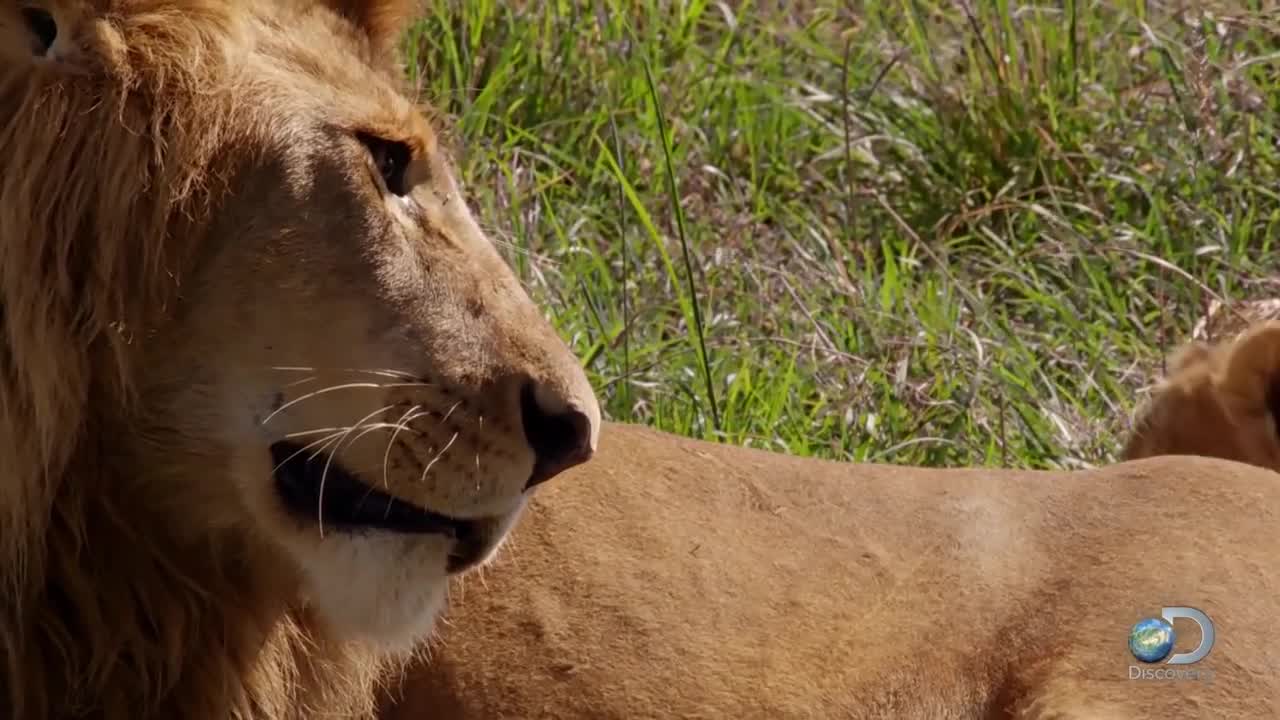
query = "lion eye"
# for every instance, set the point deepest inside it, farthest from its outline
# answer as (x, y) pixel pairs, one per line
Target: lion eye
(391, 158)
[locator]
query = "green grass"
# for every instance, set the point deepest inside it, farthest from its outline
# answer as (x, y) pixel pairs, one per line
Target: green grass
(889, 231)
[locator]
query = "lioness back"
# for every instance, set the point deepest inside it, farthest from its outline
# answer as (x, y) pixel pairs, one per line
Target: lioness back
(673, 578)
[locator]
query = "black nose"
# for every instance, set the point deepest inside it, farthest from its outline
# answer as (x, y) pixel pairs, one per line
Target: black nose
(560, 438)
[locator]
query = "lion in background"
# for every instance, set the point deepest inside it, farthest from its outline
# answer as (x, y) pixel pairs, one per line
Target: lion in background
(1219, 400)
(264, 384)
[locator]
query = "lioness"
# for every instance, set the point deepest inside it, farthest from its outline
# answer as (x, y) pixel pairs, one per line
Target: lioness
(264, 383)
(1219, 400)
(672, 578)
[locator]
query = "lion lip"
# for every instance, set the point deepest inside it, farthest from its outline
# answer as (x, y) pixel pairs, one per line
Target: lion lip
(475, 544)
(332, 497)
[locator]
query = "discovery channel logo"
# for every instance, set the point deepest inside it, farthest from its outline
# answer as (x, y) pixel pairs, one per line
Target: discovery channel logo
(1151, 641)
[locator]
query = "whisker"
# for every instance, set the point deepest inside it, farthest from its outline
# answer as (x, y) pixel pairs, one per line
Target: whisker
(304, 448)
(424, 413)
(436, 459)
(326, 445)
(324, 474)
(331, 388)
(403, 423)
(368, 371)
(368, 427)
(391, 442)
(446, 415)
(317, 431)
(337, 434)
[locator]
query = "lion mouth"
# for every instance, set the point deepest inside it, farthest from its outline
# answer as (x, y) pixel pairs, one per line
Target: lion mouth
(333, 497)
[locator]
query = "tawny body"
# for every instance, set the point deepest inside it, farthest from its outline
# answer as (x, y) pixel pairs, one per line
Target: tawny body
(671, 578)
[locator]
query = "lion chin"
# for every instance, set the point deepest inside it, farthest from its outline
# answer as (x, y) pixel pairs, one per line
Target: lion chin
(375, 541)
(339, 572)
(266, 388)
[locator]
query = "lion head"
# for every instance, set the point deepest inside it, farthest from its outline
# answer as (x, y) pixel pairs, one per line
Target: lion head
(252, 340)
(1219, 400)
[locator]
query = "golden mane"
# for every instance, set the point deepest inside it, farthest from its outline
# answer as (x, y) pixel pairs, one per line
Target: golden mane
(112, 163)
(88, 235)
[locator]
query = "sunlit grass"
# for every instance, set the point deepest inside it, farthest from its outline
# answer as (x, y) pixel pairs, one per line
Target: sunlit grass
(892, 231)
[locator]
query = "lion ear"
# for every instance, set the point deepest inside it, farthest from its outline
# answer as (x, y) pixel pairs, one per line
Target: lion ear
(1192, 353)
(1251, 372)
(30, 30)
(383, 21)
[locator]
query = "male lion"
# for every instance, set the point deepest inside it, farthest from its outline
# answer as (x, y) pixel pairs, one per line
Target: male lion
(264, 384)
(1219, 400)
(674, 578)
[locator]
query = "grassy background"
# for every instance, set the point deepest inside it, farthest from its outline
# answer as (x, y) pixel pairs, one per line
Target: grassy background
(942, 233)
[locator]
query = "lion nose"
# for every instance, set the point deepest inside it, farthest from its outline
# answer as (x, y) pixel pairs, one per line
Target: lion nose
(560, 434)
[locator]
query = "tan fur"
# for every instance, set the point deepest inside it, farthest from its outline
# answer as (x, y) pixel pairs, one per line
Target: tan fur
(198, 260)
(678, 579)
(1219, 400)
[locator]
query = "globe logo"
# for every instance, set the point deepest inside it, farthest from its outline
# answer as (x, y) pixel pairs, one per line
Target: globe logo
(1151, 639)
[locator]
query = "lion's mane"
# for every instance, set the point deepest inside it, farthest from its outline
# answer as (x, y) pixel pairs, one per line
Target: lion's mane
(109, 172)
